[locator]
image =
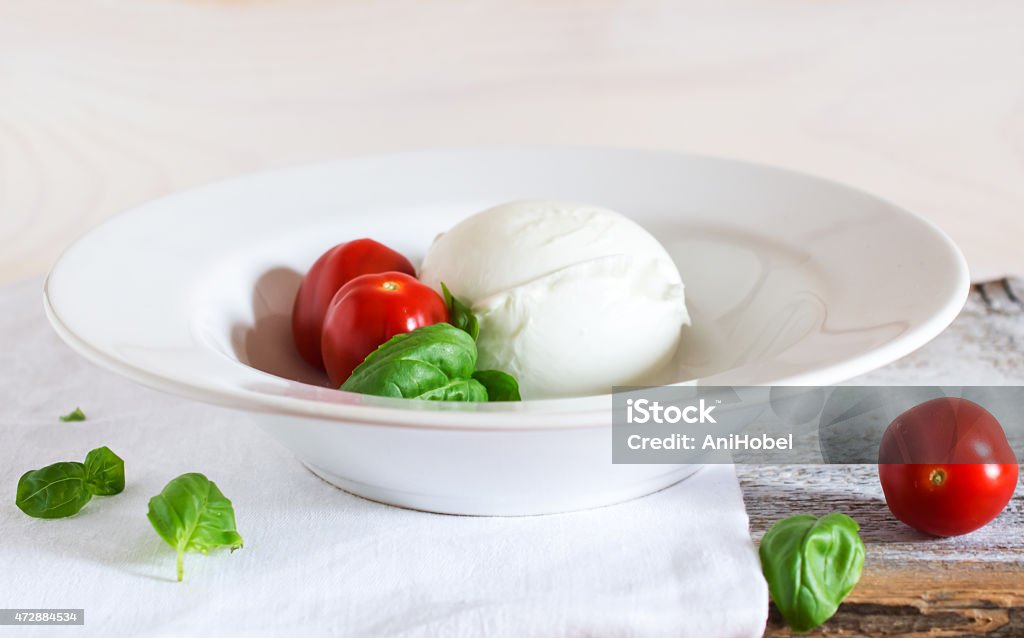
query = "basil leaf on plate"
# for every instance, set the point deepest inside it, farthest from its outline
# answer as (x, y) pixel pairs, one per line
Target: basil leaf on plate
(457, 390)
(104, 472)
(461, 316)
(811, 564)
(192, 515)
(432, 363)
(501, 386)
(416, 363)
(55, 491)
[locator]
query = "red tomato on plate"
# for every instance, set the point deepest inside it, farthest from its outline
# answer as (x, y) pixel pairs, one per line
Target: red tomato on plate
(368, 311)
(332, 270)
(946, 467)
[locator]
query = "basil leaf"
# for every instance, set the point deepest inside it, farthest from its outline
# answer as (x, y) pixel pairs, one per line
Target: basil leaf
(411, 365)
(74, 415)
(501, 386)
(811, 565)
(461, 316)
(104, 472)
(432, 363)
(192, 515)
(55, 491)
(63, 489)
(401, 379)
(457, 390)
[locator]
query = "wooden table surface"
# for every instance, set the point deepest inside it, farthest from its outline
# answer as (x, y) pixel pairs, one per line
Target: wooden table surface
(105, 104)
(914, 586)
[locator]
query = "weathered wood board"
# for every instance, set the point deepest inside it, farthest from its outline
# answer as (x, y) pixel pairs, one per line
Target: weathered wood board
(915, 586)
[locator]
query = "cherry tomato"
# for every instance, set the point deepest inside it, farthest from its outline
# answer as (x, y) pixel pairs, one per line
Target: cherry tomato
(332, 270)
(368, 311)
(946, 467)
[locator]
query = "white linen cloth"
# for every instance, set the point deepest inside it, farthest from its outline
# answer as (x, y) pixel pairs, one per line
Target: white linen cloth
(319, 561)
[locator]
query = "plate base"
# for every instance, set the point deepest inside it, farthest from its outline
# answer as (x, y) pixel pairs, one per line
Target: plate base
(525, 505)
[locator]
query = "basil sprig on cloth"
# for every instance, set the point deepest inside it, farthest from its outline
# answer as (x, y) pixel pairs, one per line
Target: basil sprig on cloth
(62, 489)
(74, 415)
(192, 515)
(104, 472)
(811, 564)
(434, 363)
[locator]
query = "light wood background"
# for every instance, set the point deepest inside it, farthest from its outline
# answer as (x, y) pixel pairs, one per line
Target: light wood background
(107, 103)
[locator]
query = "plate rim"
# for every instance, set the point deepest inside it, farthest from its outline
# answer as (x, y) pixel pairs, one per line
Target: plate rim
(543, 414)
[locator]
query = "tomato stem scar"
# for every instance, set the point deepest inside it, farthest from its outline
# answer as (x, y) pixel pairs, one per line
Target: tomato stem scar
(937, 477)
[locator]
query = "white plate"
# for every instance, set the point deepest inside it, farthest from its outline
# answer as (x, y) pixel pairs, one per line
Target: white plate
(790, 280)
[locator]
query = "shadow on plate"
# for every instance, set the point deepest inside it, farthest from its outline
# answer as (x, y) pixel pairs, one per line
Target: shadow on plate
(265, 342)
